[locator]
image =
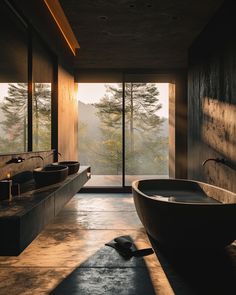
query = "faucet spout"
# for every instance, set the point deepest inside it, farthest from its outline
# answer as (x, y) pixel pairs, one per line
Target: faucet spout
(217, 160)
(37, 156)
(54, 153)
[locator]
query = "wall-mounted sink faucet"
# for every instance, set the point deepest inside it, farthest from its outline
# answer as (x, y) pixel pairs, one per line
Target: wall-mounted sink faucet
(36, 156)
(53, 153)
(18, 160)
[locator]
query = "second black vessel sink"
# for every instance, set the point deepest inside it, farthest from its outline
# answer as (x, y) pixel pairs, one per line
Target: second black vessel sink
(50, 174)
(73, 166)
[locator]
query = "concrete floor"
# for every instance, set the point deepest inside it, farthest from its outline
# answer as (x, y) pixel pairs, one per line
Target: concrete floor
(69, 257)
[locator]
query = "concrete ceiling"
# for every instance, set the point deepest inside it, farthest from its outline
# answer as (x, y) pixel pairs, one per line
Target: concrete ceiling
(128, 34)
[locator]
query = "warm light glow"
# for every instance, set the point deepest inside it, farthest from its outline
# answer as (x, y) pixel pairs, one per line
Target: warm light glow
(88, 174)
(62, 24)
(219, 123)
(8, 175)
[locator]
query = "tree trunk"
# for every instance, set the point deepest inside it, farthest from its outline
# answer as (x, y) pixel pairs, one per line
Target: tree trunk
(25, 134)
(131, 120)
(36, 136)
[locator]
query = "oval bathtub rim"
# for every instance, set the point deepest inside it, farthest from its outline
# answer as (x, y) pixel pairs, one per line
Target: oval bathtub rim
(135, 182)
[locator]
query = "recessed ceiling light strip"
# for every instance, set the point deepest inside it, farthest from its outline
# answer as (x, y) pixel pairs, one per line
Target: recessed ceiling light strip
(58, 15)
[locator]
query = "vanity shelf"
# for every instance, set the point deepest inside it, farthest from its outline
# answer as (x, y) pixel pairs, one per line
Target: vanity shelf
(27, 215)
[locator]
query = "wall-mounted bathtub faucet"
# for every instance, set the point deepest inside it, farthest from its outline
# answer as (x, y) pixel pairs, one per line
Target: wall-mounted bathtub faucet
(217, 160)
(230, 164)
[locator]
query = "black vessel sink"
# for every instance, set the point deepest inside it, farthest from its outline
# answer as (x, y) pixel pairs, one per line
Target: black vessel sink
(73, 166)
(50, 174)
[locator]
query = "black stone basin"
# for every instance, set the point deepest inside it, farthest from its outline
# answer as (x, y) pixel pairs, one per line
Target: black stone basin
(73, 166)
(50, 174)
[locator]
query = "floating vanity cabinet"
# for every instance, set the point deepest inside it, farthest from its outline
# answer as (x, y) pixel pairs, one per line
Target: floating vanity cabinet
(26, 216)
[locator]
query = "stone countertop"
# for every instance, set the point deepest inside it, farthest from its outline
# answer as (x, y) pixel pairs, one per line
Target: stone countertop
(20, 205)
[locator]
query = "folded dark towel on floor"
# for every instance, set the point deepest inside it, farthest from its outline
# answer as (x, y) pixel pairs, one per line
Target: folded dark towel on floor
(143, 252)
(125, 248)
(123, 242)
(125, 252)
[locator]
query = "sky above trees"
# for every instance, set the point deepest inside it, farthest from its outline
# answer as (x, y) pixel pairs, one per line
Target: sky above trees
(93, 92)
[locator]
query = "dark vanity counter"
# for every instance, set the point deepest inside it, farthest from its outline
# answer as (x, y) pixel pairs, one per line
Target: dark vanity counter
(25, 217)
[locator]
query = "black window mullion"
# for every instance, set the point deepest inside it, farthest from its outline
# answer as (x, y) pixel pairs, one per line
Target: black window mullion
(123, 132)
(54, 109)
(30, 94)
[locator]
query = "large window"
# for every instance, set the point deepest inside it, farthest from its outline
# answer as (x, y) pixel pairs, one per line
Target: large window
(146, 130)
(100, 131)
(123, 131)
(26, 77)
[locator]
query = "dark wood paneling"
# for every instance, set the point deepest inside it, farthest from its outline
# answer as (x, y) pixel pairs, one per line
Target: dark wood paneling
(38, 15)
(212, 100)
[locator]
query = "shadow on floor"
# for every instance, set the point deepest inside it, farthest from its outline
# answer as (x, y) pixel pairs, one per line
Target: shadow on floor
(199, 272)
(107, 272)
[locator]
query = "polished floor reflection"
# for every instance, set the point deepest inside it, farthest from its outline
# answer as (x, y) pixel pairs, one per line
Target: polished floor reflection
(70, 256)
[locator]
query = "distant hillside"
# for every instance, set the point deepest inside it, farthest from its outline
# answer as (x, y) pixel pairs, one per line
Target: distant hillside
(87, 115)
(165, 127)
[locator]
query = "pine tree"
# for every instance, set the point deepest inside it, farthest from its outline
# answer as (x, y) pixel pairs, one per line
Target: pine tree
(142, 123)
(41, 116)
(14, 123)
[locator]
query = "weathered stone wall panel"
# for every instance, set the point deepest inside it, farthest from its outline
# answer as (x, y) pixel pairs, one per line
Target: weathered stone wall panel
(212, 101)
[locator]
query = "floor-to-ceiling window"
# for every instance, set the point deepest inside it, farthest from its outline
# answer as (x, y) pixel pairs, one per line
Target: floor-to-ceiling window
(146, 131)
(123, 131)
(100, 131)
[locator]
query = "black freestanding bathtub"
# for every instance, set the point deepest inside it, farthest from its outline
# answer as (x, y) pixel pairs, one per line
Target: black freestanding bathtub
(186, 214)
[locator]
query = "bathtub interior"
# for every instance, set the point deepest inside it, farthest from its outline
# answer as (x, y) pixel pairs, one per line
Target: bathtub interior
(185, 191)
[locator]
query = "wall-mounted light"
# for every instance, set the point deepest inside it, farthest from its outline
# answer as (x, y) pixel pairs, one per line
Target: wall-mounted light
(59, 17)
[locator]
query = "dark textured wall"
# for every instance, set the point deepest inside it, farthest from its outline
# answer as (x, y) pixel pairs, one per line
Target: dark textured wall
(212, 100)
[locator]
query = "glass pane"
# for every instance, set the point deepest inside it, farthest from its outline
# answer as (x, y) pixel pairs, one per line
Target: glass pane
(41, 96)
(146, 131)
(13, 82)
(100, 132)
(41, 116)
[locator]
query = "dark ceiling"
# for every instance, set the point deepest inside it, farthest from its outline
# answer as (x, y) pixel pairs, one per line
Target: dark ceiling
(128, 34)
